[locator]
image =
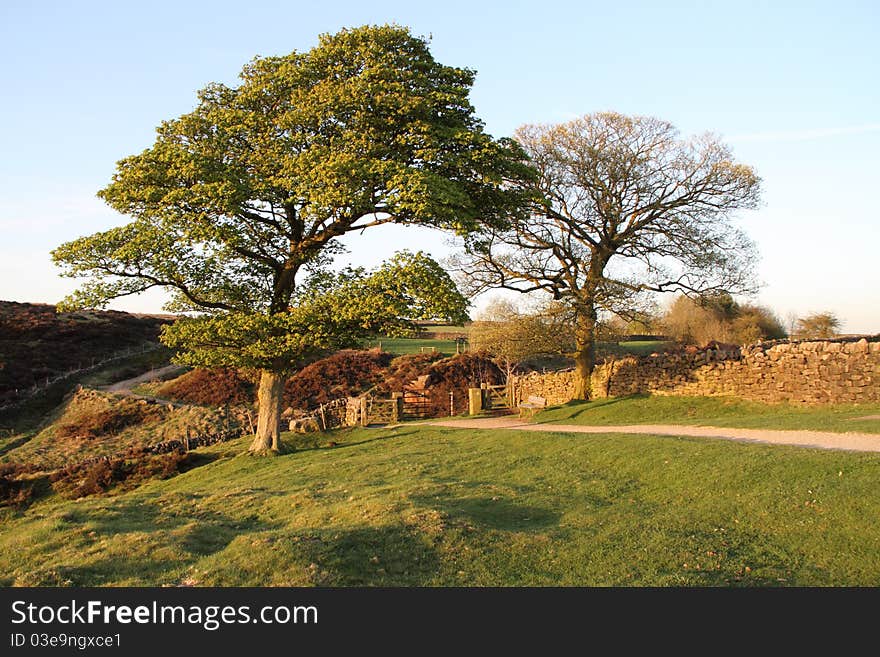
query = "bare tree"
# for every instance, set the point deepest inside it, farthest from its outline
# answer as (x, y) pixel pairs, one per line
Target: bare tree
(623, 208)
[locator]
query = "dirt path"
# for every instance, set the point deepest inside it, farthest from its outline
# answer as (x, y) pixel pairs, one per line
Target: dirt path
(858, 442)
(124, 387)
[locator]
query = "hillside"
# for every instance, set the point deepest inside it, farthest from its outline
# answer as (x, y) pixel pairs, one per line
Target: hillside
(91, 423)
(423, 506)
(38, 343)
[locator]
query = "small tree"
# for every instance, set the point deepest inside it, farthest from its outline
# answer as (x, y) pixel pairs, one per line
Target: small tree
(756, 323)
(623, 208)
(512, 335)
(818, 325)
(236, 199)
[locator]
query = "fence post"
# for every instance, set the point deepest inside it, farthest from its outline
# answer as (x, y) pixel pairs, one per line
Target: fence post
(451, 403)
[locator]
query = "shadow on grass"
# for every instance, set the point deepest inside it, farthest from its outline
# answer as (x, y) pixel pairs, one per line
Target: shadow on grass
(744, 558)
(14, 444)
(142, 522)
(491, 512)
(580, 407)
(321, 440)
(392, 555)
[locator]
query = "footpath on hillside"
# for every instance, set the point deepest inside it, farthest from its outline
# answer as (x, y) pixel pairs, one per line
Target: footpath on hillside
(857, 442)
(126, 386)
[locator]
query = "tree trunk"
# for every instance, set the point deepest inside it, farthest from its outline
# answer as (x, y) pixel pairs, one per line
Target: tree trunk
(585, 352)
(269, 397)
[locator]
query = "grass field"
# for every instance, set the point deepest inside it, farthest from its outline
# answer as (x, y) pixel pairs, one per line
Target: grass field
(635, 347)
(716, 411)
(400, 346)
(423, 506)
(447, 347)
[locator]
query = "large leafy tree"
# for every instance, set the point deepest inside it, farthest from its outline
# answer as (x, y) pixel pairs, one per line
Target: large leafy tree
(238, 197)
(625, 208)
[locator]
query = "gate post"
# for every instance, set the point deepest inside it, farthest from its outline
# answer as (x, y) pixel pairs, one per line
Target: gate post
(475, 400)
(364, 418)
(397, 406)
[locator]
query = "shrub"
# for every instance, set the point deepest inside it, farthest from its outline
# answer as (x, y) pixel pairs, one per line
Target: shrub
(94, 478)
(210, 387)
(108, 422)
(407, 368)
(14, 492)
(345, 373)
(719, 317)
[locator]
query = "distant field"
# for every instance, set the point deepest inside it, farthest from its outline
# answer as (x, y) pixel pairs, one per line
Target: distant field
(443, 328)
(637, 347)
(447, 347)
(414, 345)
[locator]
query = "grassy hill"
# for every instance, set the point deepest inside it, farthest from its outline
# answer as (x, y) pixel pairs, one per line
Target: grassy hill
(423, 506)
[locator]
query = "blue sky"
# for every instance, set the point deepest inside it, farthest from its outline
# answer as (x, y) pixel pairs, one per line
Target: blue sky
(792, 86)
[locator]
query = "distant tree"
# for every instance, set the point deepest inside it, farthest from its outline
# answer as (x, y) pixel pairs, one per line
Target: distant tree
(623, 207)
(818, 325)
(756, 323)
(718, 317)
(694, 322)
(238, 198)
(513, 335)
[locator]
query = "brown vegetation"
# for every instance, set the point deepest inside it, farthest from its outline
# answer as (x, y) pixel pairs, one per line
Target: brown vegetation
(719, 317)
(405, 369)
(345, 373)
(36, 342)
(110, 421)
(210, 387)
(442, 376)
(93, 424)
(96, 477)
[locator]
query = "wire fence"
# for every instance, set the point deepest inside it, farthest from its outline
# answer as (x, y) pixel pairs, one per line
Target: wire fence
(36, 389)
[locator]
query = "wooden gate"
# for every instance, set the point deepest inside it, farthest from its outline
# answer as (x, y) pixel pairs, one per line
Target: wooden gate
(380, 411)
(496, 397)
(416, 405)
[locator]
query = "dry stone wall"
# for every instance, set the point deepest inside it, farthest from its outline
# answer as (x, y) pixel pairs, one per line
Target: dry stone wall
(829, 371)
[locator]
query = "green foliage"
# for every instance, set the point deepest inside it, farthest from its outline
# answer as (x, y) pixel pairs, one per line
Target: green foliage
(337, 312)
(513, 335)
(234, 198)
